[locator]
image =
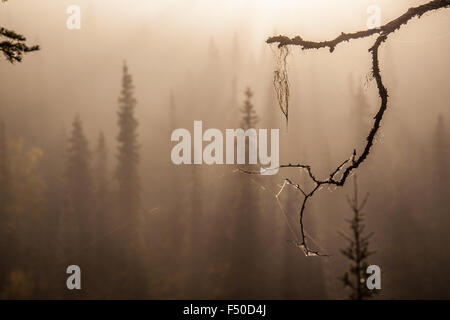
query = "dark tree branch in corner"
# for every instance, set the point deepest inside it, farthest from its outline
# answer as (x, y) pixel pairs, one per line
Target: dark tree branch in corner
(354, 161)
(13, 46)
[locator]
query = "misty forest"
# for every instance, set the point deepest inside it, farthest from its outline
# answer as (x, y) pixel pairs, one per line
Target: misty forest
(86, 176)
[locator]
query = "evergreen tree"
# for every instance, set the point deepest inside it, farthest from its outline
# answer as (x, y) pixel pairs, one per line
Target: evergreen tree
(245, 282)
(101, 174)
(103, 222)
(103, 216)
(78, 176)
(357, 251)
(249, 117)
(77, 217)
(233, 115)
(54, 168)
(128, 156)
(132, 281)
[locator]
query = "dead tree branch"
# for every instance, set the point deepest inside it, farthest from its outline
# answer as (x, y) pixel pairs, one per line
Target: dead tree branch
(349, 165)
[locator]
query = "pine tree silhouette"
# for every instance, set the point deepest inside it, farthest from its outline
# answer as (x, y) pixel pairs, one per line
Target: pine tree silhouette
(132, 281)
(103, 214)
(77, 218)
(104, 222)
(79, 189)
(245, 283)
(357, 251)
(101, 172)
(78, 179)
(249, 117)
(128, 156)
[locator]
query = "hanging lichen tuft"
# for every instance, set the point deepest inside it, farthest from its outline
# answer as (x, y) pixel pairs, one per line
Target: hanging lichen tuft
(281, 81)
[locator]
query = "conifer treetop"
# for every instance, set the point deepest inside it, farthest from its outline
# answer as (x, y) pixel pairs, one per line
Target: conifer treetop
(250, 119)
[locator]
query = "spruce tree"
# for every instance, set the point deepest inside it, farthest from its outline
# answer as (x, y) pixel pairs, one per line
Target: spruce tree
(249, 117)
(103, 216)
(128, 155)
(77, 220)
(101, 173)
(245, 282)
(357, 251)
(78, 175)
(103, 221)
(132, 281)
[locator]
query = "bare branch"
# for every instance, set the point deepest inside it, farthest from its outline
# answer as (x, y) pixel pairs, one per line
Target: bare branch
(385, 29)
(355, 161)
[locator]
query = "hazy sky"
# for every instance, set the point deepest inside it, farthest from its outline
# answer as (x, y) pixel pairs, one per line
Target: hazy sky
(164, 41)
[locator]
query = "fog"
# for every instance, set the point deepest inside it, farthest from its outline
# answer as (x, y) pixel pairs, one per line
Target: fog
(211, 232)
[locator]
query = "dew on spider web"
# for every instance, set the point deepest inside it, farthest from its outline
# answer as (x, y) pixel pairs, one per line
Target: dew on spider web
(331, 189)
